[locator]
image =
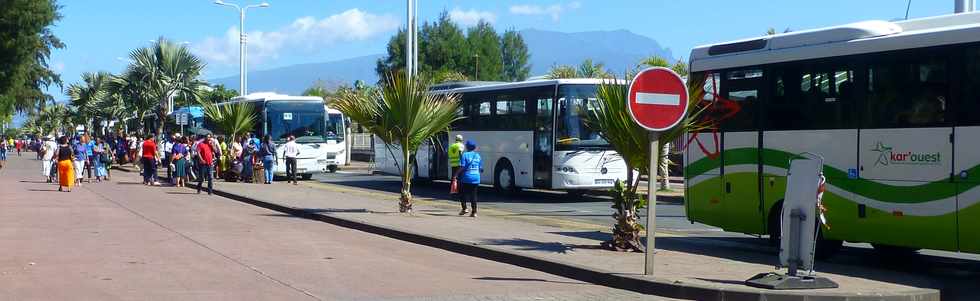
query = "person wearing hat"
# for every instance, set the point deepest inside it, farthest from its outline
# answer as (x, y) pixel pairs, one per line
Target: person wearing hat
(468, 176)
(47, 150)
(455, 151)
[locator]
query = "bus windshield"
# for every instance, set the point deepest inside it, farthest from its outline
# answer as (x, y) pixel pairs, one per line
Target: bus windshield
(335, 127)
(570, 127)
(303, 120)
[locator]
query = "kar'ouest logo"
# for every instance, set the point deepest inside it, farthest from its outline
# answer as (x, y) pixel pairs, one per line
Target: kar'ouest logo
(888, 156)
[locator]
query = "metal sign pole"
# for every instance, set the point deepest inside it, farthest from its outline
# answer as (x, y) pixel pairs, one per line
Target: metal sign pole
(652, 202)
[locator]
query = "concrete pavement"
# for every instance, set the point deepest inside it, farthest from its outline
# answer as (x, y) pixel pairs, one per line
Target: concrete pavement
(121, 240)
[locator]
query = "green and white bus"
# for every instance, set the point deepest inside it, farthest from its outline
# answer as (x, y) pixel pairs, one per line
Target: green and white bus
(893, 107)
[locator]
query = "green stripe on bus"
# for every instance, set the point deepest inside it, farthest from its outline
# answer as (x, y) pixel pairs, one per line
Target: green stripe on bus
(926, 192)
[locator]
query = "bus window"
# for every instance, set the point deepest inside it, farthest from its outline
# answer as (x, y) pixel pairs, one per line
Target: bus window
(571, 129)
(968, 108)
(905, 94)
(742, 87)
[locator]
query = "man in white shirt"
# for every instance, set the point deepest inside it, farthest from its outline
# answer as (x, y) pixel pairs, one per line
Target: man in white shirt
(168, 148)
(291, 151)
(48, 150)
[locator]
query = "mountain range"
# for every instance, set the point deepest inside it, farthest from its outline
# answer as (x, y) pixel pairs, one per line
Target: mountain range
(616, 49)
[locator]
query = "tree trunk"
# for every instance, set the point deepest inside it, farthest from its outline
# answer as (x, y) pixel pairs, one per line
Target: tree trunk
(663, 165)
(161, 118)
(405, 202)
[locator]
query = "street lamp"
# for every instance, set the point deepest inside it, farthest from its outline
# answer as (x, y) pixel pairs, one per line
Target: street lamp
(242, 76)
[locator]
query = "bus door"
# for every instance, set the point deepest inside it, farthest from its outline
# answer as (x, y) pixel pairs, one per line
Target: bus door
(966, 161)
(906, 196)
(811, 108)
(544, 140)
(702, 163)
(741, 90)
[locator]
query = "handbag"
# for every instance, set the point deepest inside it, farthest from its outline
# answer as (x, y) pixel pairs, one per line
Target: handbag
(454, 186)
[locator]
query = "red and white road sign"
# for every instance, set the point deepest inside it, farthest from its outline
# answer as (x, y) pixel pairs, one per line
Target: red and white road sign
(658, 99)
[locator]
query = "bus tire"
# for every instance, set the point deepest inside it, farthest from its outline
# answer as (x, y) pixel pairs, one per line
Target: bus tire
(774, 228)
(332, 168)
(826, 248)
(306, 176)
(503, 177)
(890, 251)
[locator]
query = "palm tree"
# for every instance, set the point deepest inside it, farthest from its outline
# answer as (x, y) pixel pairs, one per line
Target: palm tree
(89, 96)
(163, 71)
(562, 71)
(232, 119)
(610, 117)
(135, 96)
(588, 69)
(402, 113)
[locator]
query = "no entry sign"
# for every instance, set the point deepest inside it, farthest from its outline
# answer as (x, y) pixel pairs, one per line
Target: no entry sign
(658, 99)
(658, 102)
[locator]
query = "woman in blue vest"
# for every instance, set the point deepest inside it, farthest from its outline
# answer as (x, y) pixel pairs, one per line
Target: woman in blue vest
(470, 165)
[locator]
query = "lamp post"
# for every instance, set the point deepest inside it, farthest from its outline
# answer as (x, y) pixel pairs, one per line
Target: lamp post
(411, 40)
(242, 76)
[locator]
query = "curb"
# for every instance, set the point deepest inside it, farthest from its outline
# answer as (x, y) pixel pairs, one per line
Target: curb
(635, 283)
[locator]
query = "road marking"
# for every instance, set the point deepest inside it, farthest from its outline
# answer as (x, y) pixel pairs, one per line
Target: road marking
(658, 99)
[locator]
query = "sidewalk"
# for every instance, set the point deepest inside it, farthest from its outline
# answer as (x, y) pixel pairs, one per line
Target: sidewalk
(120, 240)
(689, 268)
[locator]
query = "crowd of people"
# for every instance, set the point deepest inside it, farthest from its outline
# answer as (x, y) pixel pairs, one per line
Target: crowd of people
(202, 158)
(73, 160)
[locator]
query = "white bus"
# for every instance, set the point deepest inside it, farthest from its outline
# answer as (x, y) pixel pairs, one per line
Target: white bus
(318, 129)
(893, 107)
(530, 134)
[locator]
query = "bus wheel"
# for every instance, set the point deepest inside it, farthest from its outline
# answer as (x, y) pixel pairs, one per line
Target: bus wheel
(306, 176)
(826, 248)
(774, 227)
(503, 177)
(332, 168)
(890, 251)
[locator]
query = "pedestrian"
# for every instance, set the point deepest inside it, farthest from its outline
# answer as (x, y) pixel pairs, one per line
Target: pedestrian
(66, 169)
(268, 153)
(89, 146)
(38, 143)
(180, 162)
(235, 152)
(168, 149)
(205, 157)
(455, 151)
(110, 156)
(3, 150)
(469, 177)
(100, 155)
(291, 151)
(81, 158)
(248, 160)
(49, 150)
(221, 158)
(150, 158)
(133, 148)
(19, 144)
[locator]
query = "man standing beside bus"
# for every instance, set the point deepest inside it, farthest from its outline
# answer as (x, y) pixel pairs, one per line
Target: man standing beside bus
(291, 151)
(455, 151)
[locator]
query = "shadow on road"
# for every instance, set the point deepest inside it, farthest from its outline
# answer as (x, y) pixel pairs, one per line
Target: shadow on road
(523, 279)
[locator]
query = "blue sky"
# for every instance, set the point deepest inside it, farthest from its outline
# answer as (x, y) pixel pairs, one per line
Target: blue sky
(100, 33)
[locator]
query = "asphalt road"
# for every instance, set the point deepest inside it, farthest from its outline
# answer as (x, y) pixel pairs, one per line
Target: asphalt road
(958, 272)
(589, 208)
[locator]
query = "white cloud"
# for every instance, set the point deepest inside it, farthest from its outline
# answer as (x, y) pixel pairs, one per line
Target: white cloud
(471, 17)
(554, 10)
(304, 34)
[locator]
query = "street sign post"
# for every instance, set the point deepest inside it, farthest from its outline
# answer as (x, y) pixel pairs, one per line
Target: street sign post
(182, 121)
(657, 102)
